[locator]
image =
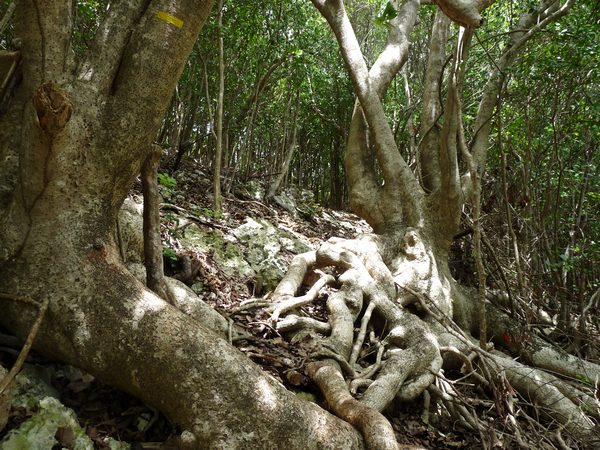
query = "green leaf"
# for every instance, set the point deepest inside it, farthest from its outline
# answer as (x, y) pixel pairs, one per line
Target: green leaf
(388, 12)
(166, 180)
(170, 254)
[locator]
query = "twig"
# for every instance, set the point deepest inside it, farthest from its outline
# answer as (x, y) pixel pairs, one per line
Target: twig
(358, 383)
(254, 202)
(179, 209)
(195, 219)
(371, 371)
(444, 320)
(595, 296)
(469, 371)
(28, 342)
(489, 247)
(17, 298)
(365, 377)
(466, 417)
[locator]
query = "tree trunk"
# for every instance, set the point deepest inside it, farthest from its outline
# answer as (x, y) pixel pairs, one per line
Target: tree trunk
(218, 157)
(70, 150)
(153, 258)
(289, 154)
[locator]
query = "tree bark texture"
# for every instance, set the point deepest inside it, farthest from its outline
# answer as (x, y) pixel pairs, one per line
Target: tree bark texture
(74, 139)
(153, 258)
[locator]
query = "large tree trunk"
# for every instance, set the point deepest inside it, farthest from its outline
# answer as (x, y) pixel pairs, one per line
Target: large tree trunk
(71, 148)
(104, 321)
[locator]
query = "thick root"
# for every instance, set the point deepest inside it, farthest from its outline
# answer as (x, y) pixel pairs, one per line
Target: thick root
(130, 338)
(407, 351)
(546, 391)
(375, 428)
(537, 352)
(571, 408)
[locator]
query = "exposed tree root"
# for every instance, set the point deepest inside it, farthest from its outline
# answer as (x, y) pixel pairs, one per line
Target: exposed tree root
(376, 429)
(407, 352)
(367, 315)
(565, 404)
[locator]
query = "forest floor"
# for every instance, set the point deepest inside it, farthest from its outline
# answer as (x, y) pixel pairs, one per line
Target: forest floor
(103, 411)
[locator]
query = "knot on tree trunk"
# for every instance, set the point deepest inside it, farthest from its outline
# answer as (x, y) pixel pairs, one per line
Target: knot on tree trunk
(463, 12)
(53, 108)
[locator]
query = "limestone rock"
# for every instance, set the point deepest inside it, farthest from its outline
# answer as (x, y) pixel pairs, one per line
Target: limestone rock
(38, 432)
(264, 244)
(51, 423)
(226, 253)
(287, 203)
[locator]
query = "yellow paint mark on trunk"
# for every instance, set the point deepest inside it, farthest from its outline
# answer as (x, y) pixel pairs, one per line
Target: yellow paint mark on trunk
(162, 15)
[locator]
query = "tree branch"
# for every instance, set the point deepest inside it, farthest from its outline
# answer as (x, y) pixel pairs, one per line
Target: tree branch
(548, 11)
(448, 197)
(432, 108)
(7, 380)
(368, 87)
(153, 257)
(103, 60)
(361, 173)
(149, 69)
(464, 12)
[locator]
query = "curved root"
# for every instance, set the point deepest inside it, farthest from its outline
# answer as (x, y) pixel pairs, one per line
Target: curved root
(402, 357)
(407, 351)
(375, 428)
